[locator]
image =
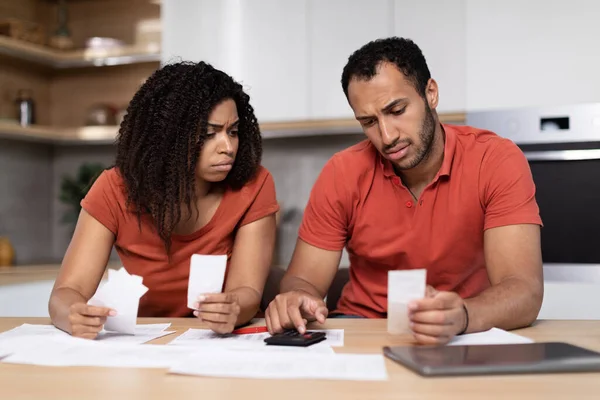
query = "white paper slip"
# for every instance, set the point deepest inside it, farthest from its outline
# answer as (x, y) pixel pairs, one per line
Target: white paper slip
(283, 365)
(493, 336)
(122, 293)
(81, 352)
(206, 338)
(207, 274)
(403, 287)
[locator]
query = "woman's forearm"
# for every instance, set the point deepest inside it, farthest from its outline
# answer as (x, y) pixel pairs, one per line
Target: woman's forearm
(60, 304)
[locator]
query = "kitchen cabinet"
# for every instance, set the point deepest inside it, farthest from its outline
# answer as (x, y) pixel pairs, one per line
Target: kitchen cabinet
(336, 29)
(261, 43)
(532, 53)
(438, 28)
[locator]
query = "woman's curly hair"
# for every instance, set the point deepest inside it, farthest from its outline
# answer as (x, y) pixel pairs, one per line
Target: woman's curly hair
(161, 136)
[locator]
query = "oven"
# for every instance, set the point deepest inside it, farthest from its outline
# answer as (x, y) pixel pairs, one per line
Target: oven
(562, 145)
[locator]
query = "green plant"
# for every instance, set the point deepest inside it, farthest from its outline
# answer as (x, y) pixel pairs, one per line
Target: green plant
(73, 190)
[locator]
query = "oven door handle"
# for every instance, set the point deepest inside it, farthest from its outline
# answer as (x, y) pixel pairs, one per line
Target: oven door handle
(563, 155)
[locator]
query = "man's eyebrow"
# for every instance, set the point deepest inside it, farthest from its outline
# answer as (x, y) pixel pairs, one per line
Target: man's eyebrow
(393, 104)
(385, 109)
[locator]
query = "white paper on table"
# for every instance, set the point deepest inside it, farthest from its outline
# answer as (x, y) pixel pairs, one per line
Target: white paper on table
(206, 338)
(30, 332)
(284, 365)
(493, 336)
(335, 337)
(403, 287)
(207, 274)
(81, 352)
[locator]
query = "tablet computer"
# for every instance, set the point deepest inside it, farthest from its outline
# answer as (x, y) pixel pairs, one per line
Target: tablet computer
(495, 359)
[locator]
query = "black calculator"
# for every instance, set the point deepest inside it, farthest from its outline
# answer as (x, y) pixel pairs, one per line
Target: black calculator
(295, 338)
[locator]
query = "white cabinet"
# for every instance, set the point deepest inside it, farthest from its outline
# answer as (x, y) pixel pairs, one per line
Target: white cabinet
(273, 58)
(438, 28)
(261, 43)
(532, 53)
(26, 299)
(337, 28)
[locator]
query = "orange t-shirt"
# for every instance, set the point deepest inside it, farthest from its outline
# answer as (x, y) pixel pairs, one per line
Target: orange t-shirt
(359, 202)
(143, 253)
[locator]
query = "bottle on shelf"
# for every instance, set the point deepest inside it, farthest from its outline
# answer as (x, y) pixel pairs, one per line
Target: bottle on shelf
(25, 107)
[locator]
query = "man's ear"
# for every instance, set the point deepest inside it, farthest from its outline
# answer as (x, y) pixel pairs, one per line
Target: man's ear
(432, 94)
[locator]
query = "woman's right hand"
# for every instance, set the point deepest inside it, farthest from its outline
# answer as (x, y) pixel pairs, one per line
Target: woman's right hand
(87, 321)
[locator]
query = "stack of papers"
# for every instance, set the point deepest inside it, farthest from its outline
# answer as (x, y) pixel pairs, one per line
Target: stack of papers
(121, 293)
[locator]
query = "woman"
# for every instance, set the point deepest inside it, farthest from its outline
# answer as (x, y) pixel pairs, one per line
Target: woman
(187, 180)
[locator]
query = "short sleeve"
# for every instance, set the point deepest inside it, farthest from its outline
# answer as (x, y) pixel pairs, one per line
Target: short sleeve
(265, 202)
(325, 221)
(508, 188)
(101, 201)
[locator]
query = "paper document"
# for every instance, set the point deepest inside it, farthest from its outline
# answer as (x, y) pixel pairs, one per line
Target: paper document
(335, 337)
(493, 336)
(61, 351)
(282, 365)
(403, 287)
(207, 274)
(253, 341)
(143, 333)
(122, 293)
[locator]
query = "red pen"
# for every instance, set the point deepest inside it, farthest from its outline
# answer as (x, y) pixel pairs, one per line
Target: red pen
(250, 329)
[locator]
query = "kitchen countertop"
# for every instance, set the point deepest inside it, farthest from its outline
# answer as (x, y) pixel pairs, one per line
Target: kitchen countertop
(20, 274)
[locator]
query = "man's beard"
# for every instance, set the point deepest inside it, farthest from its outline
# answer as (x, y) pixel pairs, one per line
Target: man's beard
(426, 136)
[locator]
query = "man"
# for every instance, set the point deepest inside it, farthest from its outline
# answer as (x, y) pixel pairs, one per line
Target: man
(456, 200)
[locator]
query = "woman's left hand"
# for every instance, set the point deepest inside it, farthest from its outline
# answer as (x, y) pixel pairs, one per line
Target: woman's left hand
(218, 310)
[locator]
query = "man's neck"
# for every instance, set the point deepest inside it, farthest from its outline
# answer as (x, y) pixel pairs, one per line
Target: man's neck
(420, 176)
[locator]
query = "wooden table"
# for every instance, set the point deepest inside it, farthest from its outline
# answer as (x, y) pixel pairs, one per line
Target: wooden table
(361, 336)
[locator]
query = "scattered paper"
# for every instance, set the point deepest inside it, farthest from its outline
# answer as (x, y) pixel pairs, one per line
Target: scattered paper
(30, 332)
(403, 287)
(63, 352)
(253, 341)
(122, 293)
(283, 365)
(493, 336)
(335, 337)
(207, 274)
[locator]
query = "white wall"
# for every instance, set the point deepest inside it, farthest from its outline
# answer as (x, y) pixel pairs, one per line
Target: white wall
(532, 53)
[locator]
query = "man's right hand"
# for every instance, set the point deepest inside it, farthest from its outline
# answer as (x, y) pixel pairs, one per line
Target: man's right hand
(293, 310)
(87, 321)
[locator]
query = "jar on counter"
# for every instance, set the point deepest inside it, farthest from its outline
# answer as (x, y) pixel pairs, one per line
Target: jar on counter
(25, 107)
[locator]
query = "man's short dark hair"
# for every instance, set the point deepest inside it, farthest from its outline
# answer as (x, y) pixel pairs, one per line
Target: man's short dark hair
(401, 52)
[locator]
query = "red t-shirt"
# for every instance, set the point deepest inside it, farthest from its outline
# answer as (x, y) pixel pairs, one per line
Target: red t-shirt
(143, 253)
(358, 202)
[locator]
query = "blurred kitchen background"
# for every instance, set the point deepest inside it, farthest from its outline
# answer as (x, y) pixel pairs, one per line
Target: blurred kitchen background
(69, 67)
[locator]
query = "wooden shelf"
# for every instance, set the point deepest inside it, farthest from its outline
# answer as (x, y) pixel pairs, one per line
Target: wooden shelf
(96, 135)
(75, 59)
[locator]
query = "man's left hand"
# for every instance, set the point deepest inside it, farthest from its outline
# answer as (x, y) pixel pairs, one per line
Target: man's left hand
(437, 318)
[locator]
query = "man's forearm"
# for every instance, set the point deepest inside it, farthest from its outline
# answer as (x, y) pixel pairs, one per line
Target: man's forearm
(513, 303)
(290, 283)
